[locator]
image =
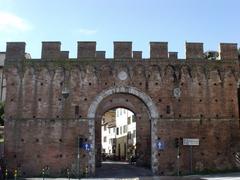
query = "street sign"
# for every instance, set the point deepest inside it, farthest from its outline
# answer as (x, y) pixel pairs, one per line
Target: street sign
(160, 145)
(87, 146)
(190, 142)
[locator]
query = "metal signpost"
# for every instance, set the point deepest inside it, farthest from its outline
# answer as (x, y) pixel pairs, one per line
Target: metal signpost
(190, 142)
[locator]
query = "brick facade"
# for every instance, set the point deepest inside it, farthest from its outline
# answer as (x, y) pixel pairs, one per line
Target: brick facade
(42, 125)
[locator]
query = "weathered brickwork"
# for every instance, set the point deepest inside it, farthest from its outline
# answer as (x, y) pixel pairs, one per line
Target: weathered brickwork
(53, 100)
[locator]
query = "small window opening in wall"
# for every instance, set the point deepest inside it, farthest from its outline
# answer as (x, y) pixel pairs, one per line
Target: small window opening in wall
(231, 100)
(179, 100)
(217, 138)
(199, 84)
(180, 115)
(230, 84)
(37, 140)
(156, 84)
(89, 84)
(105, 83)
(39, 99)
(140, 83)
(200, 100)
(11, 100)
(12, 84)
(22, 140)
(201, 115)
(60, 140)
(15, 156)
(159, 100)
(161, 116)
(85, 99)
(76, 110)
(59, 99)
(126, 100)
(61, 83)
(215, 84)
(216, 100)
(80, 116)
(203, 138)
(60, 155)
(217, 116)
(182, 84)
(202, 153)
(34, 117)
(41, 84)
(57, 116)
(218, 153)
(149, 75)
(168, 109)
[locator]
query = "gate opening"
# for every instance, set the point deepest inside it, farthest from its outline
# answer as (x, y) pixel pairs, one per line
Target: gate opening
(118, 136)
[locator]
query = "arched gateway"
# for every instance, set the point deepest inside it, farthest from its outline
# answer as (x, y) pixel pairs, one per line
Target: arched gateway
(54, 102)
(126, 90)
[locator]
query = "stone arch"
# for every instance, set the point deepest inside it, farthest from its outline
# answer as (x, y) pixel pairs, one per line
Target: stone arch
(147, 101)
(123, 89)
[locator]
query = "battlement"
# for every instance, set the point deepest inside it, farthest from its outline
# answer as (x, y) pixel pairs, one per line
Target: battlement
(122, 51)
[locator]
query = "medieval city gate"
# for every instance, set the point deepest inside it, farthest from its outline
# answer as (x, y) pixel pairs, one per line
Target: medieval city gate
(52, 101)
(146, 117)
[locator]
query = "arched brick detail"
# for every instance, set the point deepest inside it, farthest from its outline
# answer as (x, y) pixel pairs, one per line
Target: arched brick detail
(153, 112)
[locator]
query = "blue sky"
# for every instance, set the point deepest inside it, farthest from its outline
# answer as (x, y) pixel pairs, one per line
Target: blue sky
(105, 21)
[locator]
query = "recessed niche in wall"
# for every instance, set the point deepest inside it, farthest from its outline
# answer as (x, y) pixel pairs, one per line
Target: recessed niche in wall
(156, 84)
(85, 99)
(105, 83)
(41, 84)
(168, 109)
(39, 99)
(89, 84)
(140, 83)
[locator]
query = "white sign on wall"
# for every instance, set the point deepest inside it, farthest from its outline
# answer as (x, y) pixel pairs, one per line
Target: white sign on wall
(190, 142)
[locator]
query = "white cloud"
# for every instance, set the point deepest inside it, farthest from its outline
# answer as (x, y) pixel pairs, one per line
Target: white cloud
(87, 31)
(12, 23)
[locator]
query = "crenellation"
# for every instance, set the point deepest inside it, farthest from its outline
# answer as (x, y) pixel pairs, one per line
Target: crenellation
(64, 55)
(158, 50)
(15, 51)
(194, 50)
(173, 55)
(137, 55)
(122, 50)
(228, 51)
(51, 50)
(86, 49)
(100, 54)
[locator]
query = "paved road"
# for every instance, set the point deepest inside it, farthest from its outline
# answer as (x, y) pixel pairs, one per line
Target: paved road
(121, 170)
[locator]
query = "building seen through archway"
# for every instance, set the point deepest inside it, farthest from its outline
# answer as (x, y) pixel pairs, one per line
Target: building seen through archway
(119, 135)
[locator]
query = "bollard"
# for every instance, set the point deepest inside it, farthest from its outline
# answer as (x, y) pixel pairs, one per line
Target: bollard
(86, 171)
(6, 174)
(43, 173)
(68, 174)
(15, 174)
